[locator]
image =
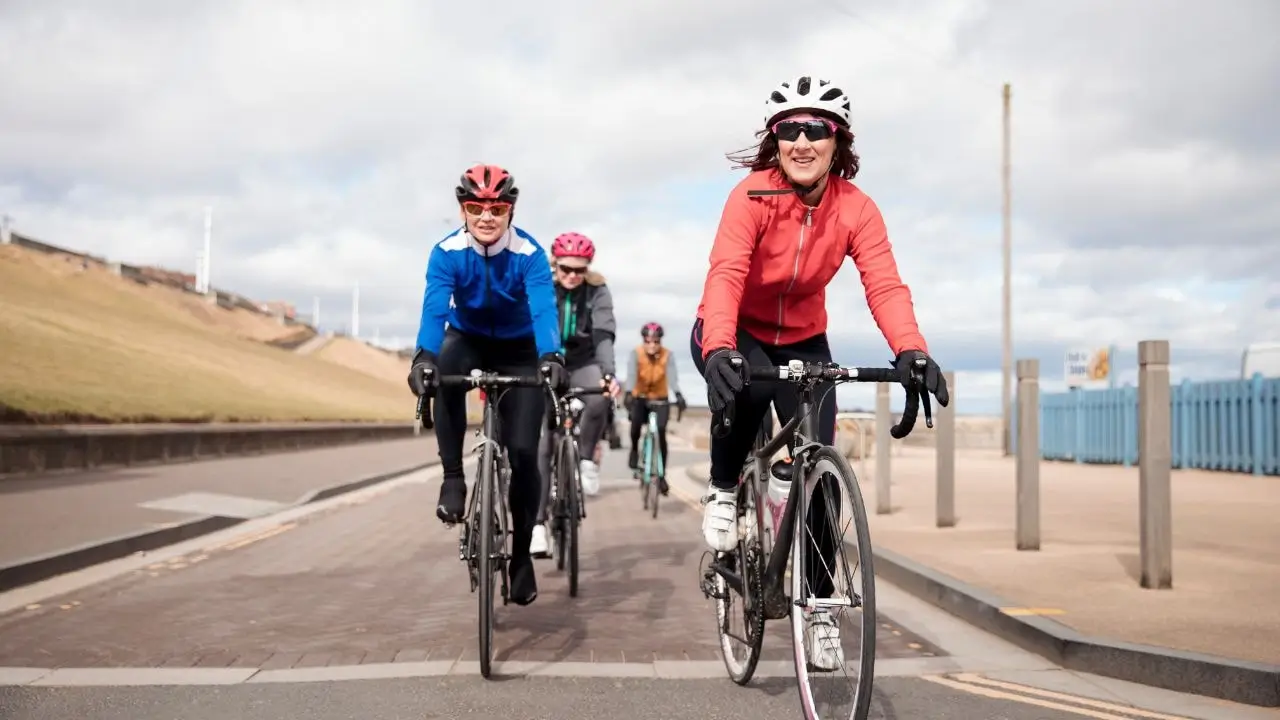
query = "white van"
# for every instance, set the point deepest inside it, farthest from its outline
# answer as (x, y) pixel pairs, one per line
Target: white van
(1261, 358)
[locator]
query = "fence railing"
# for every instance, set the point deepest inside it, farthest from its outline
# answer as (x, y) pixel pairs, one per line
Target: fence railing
(1228, 425)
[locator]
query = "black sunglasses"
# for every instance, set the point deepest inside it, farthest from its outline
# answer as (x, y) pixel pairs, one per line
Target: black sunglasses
(569, 270)
(813, 130)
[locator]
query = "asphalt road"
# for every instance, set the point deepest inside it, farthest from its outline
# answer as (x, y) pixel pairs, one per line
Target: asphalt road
(369, 585)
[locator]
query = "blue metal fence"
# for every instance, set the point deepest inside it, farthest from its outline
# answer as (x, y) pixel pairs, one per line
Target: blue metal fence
(1231, 425)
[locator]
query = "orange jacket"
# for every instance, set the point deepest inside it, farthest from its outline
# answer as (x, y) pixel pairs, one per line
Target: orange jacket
(773, 257)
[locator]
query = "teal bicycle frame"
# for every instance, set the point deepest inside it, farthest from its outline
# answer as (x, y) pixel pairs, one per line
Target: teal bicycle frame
(650, 466)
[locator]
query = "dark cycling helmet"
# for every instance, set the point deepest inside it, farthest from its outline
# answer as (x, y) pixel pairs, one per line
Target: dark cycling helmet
(652, 328)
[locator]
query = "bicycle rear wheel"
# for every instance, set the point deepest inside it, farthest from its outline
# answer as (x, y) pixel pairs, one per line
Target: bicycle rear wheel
(840, 686)
(740, 648)
(484, 560)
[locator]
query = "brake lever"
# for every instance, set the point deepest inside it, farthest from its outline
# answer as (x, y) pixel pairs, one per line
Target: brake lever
(917, 378)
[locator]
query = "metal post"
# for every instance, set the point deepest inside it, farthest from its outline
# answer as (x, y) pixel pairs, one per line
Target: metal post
(1027, 533)
(945, 426)
(883, 421)
(1006, 362)
(1155, 464)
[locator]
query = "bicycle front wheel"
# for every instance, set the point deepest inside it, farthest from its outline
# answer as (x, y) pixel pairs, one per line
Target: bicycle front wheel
(485, 525)
(651, 475)
(567, 482)
(833, 618)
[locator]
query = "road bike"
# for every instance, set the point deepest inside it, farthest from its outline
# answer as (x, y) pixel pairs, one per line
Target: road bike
(651, 466)
(567, 509)
(773, 571)
(486, 552)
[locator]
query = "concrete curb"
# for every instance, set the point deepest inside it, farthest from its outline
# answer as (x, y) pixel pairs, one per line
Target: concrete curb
(1241, 681)
(39, 568)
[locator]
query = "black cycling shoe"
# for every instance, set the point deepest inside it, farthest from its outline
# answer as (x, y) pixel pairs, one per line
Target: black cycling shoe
(453, 499)
(524, 586)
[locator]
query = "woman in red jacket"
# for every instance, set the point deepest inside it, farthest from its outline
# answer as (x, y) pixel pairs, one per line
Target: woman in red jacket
(785, 231)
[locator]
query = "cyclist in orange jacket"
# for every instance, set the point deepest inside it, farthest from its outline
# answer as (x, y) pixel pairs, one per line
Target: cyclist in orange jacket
(785, 231)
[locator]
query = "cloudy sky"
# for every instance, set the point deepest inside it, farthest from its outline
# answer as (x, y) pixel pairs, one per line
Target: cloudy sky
(328, 137)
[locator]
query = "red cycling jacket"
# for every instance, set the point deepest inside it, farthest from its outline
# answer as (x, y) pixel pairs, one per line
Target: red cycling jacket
(773, 257)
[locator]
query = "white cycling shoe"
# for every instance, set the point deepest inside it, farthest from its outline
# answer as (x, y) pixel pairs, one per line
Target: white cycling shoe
(540, 544)
(720, 519)
(823, 636)
(590, 477)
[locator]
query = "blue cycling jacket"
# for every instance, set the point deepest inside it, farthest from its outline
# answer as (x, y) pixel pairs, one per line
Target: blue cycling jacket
(500, 291)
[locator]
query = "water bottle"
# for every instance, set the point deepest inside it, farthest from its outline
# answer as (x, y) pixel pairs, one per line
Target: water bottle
(777, 492)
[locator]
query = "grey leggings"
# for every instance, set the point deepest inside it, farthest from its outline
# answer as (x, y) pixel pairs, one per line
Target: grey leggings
(591, 430)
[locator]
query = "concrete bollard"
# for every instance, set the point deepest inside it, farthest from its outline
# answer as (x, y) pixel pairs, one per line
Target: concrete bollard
(945, 427)
(1155, 464)
(1027, 533)
(883, 421)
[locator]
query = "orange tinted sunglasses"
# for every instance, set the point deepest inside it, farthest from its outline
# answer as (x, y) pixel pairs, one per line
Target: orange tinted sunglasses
(476, 209)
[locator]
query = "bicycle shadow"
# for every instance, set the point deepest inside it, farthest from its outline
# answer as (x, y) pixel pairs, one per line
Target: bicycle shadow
(617, 599)
(828, 693)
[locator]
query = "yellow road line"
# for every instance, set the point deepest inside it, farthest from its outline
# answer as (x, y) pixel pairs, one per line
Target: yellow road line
(1023, 612)
(994, 694)
(1053, 695)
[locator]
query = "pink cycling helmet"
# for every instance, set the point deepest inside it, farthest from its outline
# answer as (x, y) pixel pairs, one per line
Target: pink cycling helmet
(572, 244)
(653, 329)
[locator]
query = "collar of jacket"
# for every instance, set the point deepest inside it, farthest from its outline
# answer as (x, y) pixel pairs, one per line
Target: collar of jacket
(498, 246)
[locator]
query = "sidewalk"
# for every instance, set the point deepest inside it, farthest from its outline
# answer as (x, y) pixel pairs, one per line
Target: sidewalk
(47, 514)
(1225, 599)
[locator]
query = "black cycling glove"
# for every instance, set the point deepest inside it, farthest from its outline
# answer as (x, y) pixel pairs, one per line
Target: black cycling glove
(422, 376)
(552, 366)
(724, 381)
(934, 382)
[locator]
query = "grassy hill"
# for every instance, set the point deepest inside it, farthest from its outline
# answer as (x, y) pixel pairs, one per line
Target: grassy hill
(80, 344)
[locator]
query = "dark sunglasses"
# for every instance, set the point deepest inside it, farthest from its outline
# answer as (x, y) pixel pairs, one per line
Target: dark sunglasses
(813, 130)
(568, 270)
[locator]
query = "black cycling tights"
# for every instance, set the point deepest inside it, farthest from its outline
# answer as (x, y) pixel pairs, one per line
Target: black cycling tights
(640, 418)
(520, 415)
(752, 407)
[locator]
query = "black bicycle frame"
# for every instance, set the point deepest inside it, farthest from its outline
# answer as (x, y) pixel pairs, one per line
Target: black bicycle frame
(798, 435)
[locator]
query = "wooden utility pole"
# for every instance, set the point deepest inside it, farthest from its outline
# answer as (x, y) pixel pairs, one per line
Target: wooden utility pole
(1006, 364)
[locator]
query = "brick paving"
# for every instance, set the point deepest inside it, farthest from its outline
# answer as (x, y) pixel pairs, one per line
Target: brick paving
(379, 581)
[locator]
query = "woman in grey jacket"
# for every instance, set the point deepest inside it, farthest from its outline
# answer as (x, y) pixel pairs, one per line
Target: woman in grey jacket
(587, 332)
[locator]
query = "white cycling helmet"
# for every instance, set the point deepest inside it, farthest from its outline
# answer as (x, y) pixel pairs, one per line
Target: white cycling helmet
(807, 92)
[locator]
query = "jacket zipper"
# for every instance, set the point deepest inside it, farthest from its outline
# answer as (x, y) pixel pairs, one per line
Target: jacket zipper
(795, 271)
(488, 304)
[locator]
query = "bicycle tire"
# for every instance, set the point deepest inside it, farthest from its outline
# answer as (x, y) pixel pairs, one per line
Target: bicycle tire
(484, 561)
(569, 491)
(558, 515)
(827, 459)
(751, 564)
(639, 471)
(651, 477)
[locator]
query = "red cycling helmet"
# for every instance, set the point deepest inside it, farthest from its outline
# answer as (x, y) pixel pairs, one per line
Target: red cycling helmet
(572, 244)
(487, 182)
(652, 328)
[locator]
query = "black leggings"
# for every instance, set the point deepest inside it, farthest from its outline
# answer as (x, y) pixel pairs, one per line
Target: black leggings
(752, 408)
(520, 414)
(640, 418)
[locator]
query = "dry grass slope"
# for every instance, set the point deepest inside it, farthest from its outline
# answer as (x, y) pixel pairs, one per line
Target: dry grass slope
(79, 344)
